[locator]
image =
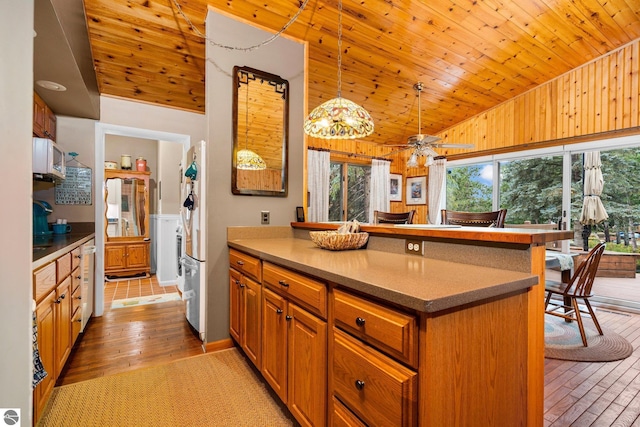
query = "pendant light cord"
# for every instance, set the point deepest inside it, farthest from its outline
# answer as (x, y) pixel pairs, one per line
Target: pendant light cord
(246, 121)
(339, 48)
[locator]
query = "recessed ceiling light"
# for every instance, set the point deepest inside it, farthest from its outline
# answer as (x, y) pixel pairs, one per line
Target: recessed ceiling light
(51, 85)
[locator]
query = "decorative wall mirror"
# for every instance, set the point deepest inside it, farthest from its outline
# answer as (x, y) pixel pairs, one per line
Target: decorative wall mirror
(260, 133)
(126, 204)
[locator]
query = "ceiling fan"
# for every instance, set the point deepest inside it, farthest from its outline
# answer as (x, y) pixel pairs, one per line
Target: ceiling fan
(423, 144)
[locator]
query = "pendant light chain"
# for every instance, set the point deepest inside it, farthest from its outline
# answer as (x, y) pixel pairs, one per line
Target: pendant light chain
(339, 48)
(244, 49)
(246, 121)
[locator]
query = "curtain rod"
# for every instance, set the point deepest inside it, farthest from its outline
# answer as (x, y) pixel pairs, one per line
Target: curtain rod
(344, 153)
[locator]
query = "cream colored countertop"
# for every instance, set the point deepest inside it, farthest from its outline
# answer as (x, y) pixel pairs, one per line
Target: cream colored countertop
(412, 281)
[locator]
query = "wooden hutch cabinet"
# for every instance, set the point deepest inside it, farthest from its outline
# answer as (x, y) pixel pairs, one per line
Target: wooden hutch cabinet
(126, 231)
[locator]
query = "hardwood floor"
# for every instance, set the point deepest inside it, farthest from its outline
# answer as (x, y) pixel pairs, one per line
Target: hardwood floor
(577, 394)
(130, 338)
(596, 394)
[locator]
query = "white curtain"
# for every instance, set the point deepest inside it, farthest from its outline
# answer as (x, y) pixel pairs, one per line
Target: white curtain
(437, 188)
(318, 169)
(380, 188)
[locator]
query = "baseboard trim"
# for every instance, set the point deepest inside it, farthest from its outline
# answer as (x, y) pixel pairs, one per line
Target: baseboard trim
(219, 345)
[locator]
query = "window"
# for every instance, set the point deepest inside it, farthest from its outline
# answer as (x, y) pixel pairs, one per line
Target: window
(349, 192)
(531, 189)
(469, 188)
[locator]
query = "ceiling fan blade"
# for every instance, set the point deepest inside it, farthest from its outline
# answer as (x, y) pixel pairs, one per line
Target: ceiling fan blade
(422, 139)
(391, 153)
(452, 145)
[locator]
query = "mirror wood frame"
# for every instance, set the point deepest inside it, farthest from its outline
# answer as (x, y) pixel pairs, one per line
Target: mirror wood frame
(124, 175)
(249, 76)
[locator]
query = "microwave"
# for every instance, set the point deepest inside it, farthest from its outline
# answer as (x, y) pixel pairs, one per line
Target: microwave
(48, 159)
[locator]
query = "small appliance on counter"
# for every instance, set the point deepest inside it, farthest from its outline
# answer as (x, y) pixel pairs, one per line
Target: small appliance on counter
(41, 210)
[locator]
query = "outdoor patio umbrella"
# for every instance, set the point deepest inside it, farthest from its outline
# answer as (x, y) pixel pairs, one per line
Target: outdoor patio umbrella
(593, 211)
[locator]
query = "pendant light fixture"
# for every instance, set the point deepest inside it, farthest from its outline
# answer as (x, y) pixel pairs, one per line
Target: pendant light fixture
(339, 118)
(245, 158)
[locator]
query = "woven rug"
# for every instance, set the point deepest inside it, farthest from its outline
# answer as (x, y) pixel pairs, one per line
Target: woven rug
(149, 299)
(214, 389)
(562, 341)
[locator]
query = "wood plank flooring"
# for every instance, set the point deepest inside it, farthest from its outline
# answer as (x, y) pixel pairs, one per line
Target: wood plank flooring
(577, 394)
(130, 338)
(596, 394)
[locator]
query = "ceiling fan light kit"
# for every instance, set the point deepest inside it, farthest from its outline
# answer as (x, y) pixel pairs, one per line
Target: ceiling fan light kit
(339, 118)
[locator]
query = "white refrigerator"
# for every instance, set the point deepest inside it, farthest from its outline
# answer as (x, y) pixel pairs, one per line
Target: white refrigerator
(194, 238)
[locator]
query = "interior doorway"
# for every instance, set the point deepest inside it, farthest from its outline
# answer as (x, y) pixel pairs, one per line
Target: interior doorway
(111, 134)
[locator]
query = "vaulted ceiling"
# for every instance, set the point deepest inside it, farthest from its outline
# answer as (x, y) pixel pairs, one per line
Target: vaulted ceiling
(470, 54)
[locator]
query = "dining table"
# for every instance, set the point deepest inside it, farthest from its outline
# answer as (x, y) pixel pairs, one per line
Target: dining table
(561, 260)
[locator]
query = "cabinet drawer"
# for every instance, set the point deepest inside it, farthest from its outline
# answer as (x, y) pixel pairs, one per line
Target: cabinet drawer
(76, 279)
(377, 389)
(63, 266)
(392, 331)
(76, 301)
(75, 258)
(246, 264)
(306, 291)
(76, 324)
(343, 417)
(44, 280)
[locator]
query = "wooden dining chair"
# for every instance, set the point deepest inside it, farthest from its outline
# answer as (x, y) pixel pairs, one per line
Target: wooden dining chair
(474, 219)
(380, 217)
(578, 288)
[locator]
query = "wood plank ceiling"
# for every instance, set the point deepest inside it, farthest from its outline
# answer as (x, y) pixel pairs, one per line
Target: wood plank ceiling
(470, 54)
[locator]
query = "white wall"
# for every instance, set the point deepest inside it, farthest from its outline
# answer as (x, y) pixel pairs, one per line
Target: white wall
(16, 103)
(73, 134)
(169, 158)
(282, 57)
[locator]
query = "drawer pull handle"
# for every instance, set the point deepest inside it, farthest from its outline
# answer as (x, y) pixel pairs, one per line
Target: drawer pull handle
(360, 321)
(78, 277)
(359, 384)
(237, 282)
(242, 285)
(288, 318)
(240, 262)
(283, 283)
(279, 311)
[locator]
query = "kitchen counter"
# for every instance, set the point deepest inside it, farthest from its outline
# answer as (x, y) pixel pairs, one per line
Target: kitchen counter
(48, 249)
(423, 284)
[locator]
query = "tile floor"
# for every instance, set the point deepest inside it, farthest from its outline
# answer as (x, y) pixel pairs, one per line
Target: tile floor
(134, 287)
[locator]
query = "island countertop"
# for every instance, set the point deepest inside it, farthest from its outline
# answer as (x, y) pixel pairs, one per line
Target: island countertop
(415, 282)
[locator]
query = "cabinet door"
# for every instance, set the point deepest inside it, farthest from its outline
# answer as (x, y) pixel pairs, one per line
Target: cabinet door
(251, 297)
(307, 370)
(235, 305)
(137, 255)
(63, 323)
(114, 257)
(45, 313)
(39, 112)
(274, 346)
(50, 124)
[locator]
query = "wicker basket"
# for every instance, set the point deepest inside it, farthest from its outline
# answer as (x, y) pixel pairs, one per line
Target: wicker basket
(333, 241)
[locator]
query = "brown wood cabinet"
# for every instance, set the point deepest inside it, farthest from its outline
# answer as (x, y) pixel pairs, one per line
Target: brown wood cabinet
(45, 315)
(127, 244)
(44, 120)
(245, 296)
(294, 344)
(57, 291)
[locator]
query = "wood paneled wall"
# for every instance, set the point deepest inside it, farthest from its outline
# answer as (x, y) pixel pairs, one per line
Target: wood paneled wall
(601, 96)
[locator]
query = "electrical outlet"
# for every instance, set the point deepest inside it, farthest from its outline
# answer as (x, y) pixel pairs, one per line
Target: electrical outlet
(264, 217)
(413, 247)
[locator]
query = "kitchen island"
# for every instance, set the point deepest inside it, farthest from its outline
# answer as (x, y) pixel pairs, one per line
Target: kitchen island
(452, 336)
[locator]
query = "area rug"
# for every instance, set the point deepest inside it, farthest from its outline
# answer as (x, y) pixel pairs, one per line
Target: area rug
(214, 389)
(562, 341)
(149, 299)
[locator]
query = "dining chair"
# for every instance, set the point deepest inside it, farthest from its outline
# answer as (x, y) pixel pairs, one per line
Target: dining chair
(380, 217)
(578, 288)
(474, 219)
